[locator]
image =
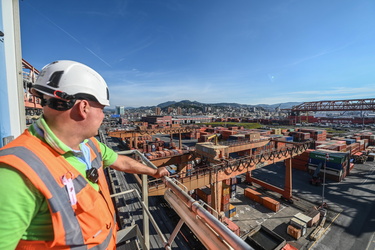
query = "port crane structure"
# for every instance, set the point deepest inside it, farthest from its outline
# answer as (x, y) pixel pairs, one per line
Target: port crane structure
(336, 105)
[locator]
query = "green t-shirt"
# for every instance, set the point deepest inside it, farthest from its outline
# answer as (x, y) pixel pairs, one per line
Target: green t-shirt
(24, 212)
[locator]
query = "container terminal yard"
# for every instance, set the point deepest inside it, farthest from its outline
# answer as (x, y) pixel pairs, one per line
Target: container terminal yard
(276, 187)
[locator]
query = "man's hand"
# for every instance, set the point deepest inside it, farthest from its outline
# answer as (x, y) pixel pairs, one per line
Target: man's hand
(161, 172)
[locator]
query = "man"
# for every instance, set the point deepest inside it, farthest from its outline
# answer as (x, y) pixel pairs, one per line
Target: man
(53, 191)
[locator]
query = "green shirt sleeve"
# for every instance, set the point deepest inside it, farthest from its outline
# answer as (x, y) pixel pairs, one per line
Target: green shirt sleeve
(109, 156)
(21, 203)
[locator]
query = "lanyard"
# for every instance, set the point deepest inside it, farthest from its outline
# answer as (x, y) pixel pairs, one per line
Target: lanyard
(67, 180)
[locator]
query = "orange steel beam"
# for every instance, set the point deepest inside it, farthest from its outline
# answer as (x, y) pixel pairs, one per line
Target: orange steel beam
(229, 169)
(134, 134)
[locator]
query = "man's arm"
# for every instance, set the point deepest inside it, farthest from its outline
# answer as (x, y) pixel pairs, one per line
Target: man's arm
(129, 165)
(19, 205)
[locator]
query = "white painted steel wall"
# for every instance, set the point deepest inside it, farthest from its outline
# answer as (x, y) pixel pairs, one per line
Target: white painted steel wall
(12, 109)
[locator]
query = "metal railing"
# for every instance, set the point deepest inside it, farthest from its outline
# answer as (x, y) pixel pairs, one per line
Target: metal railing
(212, 233)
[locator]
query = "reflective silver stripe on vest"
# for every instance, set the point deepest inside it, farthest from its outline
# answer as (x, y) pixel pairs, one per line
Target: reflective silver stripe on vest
(105, 243)
(60, 198)
(97, 162)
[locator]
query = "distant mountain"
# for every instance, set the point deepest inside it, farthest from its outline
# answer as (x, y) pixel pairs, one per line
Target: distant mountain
(166, 104)
(195, 104)
(285, 105)
(187, 103)
(225, 104)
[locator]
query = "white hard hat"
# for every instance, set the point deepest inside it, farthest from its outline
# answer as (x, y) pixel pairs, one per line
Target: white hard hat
(69, 80)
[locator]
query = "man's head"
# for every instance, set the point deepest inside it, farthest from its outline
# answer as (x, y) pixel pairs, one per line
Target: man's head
(67, 81)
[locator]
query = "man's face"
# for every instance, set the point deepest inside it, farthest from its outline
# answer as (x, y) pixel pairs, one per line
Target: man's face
(96, 115)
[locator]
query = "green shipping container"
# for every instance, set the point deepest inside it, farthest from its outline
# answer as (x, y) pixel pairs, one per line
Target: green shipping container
(333, 157)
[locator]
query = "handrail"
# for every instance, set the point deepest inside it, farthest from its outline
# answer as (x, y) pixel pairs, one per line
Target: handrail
(213, 224)
(193, 214)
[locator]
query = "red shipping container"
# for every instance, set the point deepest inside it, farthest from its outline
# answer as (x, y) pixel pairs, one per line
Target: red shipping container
(225, 199)
(271, 204)
(253, 195)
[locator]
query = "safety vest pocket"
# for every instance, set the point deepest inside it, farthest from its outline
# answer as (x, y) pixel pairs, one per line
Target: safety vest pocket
(93, 215)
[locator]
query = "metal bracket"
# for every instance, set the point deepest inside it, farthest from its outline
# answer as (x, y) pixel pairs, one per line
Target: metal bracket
(7, 139)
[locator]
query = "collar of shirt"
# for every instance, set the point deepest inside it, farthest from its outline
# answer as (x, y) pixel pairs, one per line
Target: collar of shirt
(41, 129)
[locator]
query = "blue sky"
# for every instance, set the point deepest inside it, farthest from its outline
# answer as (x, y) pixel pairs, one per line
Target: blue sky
(243, 51)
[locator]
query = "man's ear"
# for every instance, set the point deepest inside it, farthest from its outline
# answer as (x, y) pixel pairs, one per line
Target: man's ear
(83, 107)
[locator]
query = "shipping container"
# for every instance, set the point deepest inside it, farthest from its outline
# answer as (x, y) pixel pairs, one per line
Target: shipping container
(225, 208)
(253, 195)
(225, 199)
(334, 157)
(233, 180)
(226, 190)
(270, 204)
(205, 194)
(315, 217)
(232, 210)
(294, 232)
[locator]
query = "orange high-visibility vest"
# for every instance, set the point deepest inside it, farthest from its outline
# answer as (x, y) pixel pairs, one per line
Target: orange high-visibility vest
(90, 224)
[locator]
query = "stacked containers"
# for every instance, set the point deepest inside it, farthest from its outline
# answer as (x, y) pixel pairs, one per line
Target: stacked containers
(353, 147)
(335, 160)
(334, 145)
(317, 135)
(226, 133)
(252, 136)
(361, 144)
(189, 168)
(300, 136)
(232, 211)
(225, 196)
(337, 165)
(370, 137)
(233, 186)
